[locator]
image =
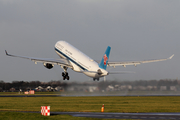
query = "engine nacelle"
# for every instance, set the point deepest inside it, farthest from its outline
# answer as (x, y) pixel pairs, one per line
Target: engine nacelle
(48, 65)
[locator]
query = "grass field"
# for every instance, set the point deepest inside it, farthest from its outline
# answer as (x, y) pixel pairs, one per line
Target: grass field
(87, 104)
(36, 116)
(81, 93)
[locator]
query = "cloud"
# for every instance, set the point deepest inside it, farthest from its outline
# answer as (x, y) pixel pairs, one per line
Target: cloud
(136, 30)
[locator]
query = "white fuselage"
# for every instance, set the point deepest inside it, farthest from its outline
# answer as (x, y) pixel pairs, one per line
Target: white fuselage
(79, 61)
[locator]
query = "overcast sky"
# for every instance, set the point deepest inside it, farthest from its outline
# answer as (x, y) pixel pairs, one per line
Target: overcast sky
(135, 30)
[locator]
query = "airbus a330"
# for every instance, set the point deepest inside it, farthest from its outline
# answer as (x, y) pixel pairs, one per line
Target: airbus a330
(71, 57)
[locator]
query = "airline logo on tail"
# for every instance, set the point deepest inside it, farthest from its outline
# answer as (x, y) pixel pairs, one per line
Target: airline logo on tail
(105, 59)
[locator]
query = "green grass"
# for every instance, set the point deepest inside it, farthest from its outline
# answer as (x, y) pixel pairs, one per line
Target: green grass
(93, 104)
(36, 116)
(86, 104)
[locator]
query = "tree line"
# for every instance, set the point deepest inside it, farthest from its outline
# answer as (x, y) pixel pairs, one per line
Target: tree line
(23, 85)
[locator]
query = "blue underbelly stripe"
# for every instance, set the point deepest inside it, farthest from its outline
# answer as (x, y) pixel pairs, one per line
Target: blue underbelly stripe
(70, 59)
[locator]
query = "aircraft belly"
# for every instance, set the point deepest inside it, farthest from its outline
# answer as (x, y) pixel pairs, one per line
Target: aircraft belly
(75, 67)
(93, 75)
(90, 74)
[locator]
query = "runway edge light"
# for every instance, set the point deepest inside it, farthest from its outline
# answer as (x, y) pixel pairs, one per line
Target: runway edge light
(45, 110)
(102, 109)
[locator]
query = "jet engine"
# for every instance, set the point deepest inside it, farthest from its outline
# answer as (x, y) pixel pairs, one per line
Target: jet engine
(48, 65)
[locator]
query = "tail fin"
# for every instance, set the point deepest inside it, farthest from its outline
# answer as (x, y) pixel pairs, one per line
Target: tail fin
(105, 58)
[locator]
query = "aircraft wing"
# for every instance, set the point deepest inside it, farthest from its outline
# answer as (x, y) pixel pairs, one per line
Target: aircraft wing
(62, 62)
(135, 62)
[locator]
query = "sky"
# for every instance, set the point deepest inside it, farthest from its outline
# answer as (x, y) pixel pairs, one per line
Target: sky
(135, 30)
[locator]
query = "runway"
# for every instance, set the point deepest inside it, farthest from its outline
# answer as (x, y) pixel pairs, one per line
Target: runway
(142, 116)
(123, 115)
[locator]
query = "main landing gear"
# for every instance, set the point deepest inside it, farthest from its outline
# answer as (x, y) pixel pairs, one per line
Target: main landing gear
(96, 79)
(65, 75)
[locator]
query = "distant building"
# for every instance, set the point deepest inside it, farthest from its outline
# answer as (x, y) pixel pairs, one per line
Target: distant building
(49, 88)
(58, 88)
(116, 88)
(39, 88)
(155, 87)
(85, 88)
(12, 89)
(123, 87)
(173, 88)
(110, 88)
(139, 88)
(162, 88)
(92, 88)
(129, 87)
(149, 87)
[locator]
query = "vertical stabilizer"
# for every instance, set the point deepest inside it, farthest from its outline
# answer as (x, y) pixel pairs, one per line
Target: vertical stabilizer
(105, 58)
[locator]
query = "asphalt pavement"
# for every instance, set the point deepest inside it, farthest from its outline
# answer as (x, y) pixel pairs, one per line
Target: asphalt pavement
(142, 116)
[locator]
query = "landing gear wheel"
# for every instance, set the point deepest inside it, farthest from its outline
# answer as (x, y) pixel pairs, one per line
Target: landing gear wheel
(67, 77)
(63, 74)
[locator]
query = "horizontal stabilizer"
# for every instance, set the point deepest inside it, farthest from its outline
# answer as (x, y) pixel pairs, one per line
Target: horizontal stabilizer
(120, 72)
(135, 63)
(171, 57)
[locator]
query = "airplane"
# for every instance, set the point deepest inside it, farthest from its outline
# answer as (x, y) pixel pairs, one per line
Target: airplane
(71, 57)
